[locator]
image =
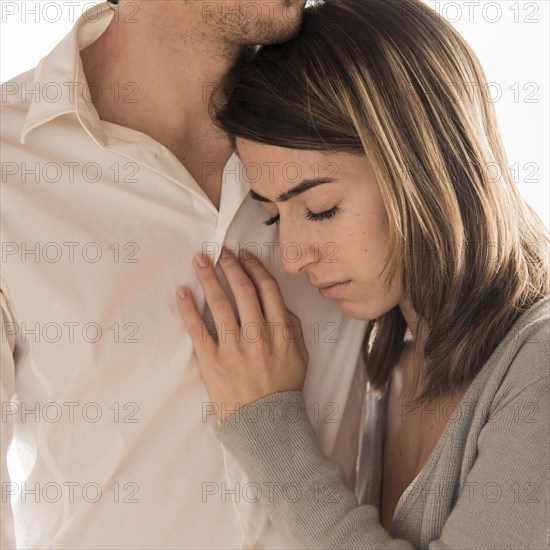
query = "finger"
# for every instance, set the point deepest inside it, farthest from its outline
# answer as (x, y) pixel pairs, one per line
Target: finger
(271, 299)
(297, 328)
(215, 295)
(246, 295)
(202, 341)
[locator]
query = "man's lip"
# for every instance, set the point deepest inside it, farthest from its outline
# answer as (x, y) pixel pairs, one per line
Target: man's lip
(326, 285)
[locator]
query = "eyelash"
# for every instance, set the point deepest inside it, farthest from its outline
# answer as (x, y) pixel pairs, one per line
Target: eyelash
(312, 216)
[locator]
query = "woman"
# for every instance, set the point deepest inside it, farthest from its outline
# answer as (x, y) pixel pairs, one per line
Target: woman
(381, 104)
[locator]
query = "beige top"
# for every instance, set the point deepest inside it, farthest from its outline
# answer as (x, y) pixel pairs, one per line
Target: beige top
(485, 486)
(403, 497)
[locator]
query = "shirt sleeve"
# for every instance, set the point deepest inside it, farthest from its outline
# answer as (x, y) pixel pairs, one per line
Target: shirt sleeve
(7, 387)
(310, 503)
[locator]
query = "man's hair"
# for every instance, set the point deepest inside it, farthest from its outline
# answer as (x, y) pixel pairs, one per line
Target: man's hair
(394, 81)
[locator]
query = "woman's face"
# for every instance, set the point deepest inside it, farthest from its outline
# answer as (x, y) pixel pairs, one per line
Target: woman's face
(334, 232)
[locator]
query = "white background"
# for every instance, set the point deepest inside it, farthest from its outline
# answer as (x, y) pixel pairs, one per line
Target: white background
(510, 37)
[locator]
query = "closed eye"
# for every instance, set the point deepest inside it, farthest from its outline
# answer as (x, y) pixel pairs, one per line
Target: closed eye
(312, 216)
(271, 221)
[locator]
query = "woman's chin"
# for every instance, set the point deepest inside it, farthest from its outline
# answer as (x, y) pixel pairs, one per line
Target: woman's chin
(355, 310)
(363, 311)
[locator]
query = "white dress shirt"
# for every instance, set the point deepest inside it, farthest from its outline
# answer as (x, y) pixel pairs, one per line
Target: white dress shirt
(101, 390)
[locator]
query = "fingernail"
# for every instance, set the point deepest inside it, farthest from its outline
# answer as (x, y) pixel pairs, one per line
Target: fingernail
(182, 293)
(202, 260)
(225, 255)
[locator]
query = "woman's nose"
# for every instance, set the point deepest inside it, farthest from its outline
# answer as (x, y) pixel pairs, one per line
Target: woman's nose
(295, 254)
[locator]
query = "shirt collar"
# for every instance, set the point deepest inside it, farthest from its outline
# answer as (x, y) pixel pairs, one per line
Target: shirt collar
(62, 88)
(60, 85)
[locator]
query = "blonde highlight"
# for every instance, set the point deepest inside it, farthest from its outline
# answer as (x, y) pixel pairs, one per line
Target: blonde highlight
(402, 87)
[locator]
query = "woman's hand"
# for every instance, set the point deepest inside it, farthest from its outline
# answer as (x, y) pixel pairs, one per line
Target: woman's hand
(262, 354)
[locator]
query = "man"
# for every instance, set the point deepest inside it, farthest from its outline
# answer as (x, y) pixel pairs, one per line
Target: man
(113, 177)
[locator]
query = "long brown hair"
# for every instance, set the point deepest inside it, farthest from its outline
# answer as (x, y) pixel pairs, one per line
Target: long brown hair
(394, 81)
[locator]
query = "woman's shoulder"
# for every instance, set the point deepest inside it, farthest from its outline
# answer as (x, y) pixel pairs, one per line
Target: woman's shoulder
(523, 357)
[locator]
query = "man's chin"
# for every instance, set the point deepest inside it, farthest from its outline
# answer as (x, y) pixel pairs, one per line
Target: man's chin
(290, 25)
(285, 34)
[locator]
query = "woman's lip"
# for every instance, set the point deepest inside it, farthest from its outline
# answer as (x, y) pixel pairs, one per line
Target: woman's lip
(334, 290)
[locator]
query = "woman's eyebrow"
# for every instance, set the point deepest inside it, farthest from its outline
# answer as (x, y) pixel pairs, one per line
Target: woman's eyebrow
(303, 186)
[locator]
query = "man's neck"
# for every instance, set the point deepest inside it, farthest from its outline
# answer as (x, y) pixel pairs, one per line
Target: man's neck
(158, 82)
